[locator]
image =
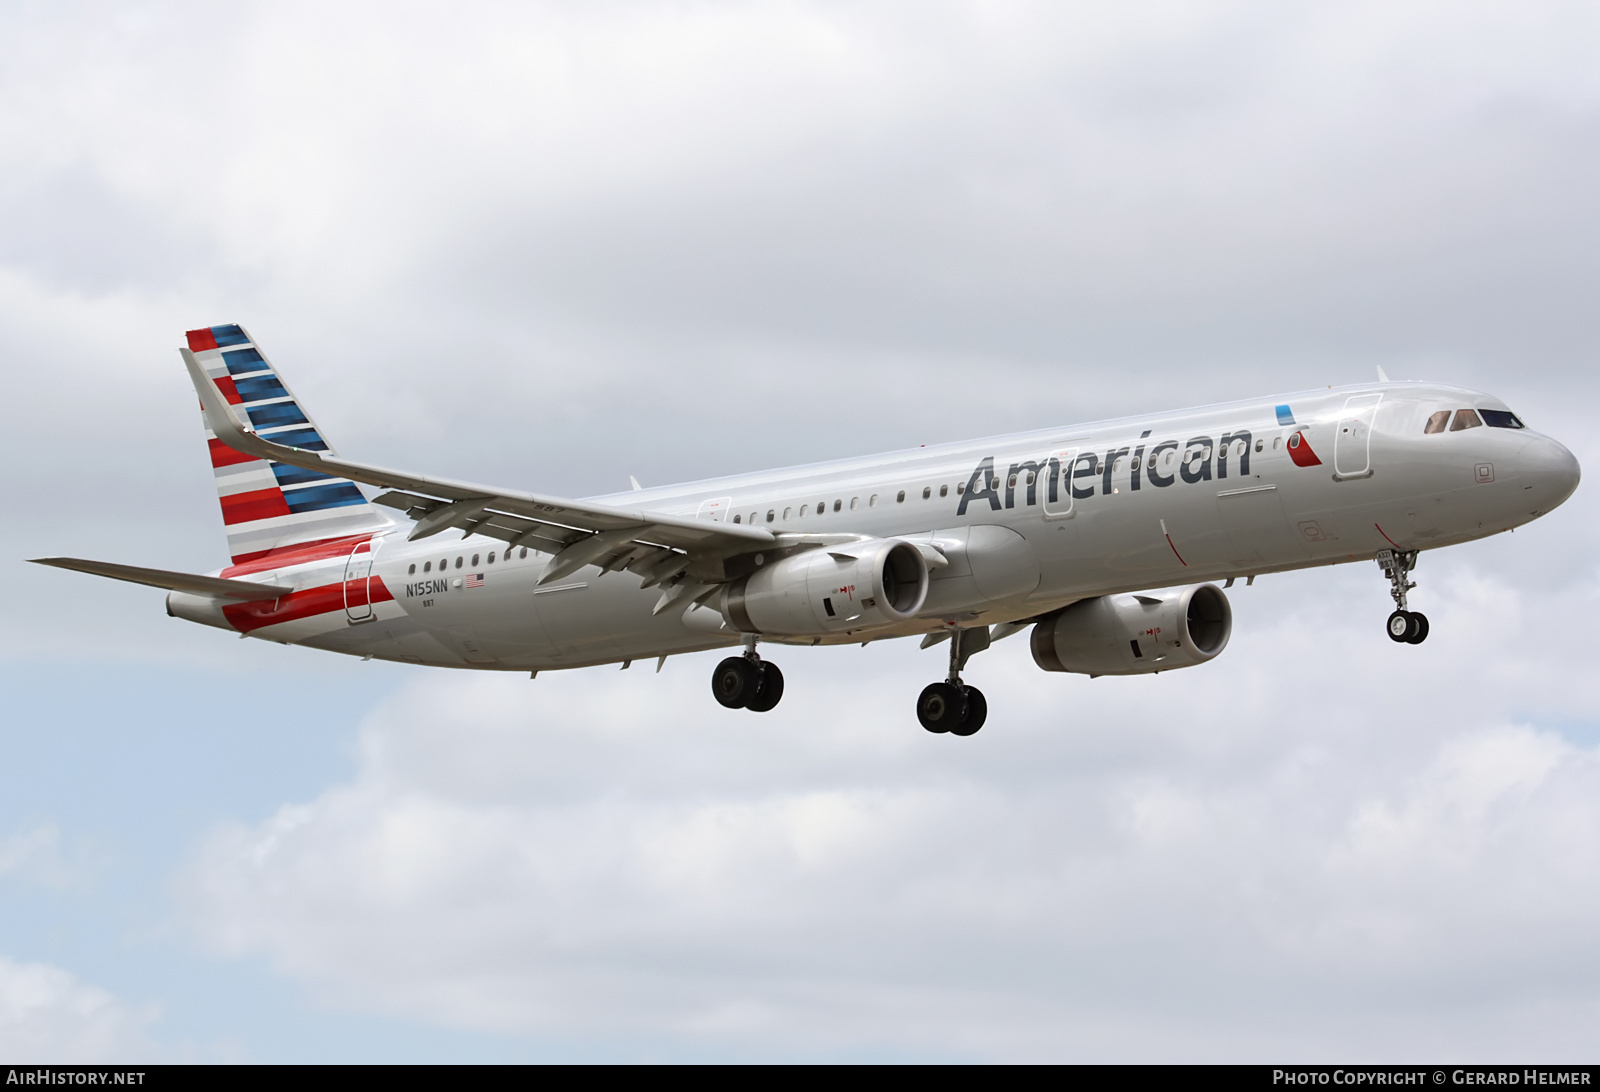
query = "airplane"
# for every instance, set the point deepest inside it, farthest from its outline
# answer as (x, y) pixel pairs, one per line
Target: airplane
(1105, 538)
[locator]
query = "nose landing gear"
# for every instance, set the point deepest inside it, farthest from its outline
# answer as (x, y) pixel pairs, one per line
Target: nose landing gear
(953, 706)
(747, 682)
(1404, 626)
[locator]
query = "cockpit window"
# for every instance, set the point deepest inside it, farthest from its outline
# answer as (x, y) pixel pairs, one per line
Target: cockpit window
(1437, 422)
(1465, 418)
(1499, 418)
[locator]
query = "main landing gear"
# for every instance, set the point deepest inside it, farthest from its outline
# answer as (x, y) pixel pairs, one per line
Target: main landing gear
(953, 706)
(1404, 626)
(748, 681)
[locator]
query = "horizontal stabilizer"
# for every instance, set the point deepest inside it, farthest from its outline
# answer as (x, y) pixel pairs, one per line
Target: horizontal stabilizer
(214, 586)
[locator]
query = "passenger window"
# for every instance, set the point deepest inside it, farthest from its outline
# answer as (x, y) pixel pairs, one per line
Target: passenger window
(412, 571)
(900, 497)
(1259, 445)
(873, 503)
(927, 491)
(1465, 419)
(838, 504)
(961, 487)
(736, 517)
(458, 562)
(1436, 423)
(804, 508)
(1496, 418)
(474, 561)
(753, 516)
(786, 513)
(771, 515)
(523, 552)
(855, 502)
(491, 557)
(444, 563)
(427, 566)
(821, 507)
(944, 490)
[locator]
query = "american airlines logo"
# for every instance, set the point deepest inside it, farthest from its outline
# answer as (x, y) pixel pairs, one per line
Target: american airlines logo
(1077, 475)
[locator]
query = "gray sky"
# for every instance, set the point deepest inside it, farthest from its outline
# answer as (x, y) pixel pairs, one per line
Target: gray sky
(554, 245)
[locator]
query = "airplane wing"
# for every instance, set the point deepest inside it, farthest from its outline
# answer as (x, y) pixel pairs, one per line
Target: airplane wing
(214, 586)
(653, 545)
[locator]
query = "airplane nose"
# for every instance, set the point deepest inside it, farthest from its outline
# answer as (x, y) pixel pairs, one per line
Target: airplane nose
(1550, 469)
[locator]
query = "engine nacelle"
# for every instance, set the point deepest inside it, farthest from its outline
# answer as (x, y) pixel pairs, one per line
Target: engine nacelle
(861, 585)
(1135, 634)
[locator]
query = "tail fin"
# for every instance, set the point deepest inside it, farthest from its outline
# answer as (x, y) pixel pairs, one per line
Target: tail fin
(267, 506)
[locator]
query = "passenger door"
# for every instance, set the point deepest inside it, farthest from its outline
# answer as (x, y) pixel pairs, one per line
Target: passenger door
(1352, 444)
(357, 575)
(1056, 488)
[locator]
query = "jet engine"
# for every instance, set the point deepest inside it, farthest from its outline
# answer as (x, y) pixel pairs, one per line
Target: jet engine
(1135, 634)
(860, 585)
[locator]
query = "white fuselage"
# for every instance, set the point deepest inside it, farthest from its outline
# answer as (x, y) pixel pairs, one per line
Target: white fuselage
(1131, 504)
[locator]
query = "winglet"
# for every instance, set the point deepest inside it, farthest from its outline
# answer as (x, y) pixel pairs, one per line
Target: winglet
(222, 421)
(1383, 376)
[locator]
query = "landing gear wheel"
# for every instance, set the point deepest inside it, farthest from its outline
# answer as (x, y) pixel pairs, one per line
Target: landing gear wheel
(941, 707)
(736, 681)
(1405, 626)
(1399, 626)
(769, 691)
(1419, 629)
(1408, 627)
(977, 713)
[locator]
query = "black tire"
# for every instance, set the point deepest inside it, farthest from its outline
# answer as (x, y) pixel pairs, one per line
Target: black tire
(1399, 626)
(769, 691)
(1419, 629)
(977, 713)
(735, 682)
(941, 707)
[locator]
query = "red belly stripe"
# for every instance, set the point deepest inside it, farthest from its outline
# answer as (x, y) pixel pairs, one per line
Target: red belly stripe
(305, 603)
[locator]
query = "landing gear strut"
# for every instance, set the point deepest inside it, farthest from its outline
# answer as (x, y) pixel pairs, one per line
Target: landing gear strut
(1404, 626)
(953, 706)
(748, 681)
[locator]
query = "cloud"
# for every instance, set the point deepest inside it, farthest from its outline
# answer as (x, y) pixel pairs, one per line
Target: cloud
(1205, 864)
(34, 855)
(48, 1016)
